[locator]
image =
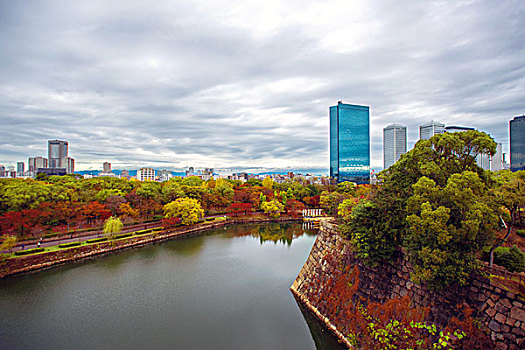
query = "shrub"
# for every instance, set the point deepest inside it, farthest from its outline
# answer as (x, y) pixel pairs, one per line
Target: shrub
(123, 235)
(95, 240)
(156, 229)
(68, 245)
(29, 251)
(521, 233)
(142, 232)
(209, 219)
(513, 259)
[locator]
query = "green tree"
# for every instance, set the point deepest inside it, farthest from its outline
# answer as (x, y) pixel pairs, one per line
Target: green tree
(112, 226)
(434, 202)
(509, 193)
(189, 210)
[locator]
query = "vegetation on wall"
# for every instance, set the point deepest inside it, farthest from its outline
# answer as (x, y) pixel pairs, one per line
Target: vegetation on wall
(437, 205)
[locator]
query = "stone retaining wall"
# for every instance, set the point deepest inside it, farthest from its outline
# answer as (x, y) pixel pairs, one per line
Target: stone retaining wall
(501, 311)
(45, 260)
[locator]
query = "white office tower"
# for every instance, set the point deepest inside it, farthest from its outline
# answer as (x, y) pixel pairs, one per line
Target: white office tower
(428, 130)
(394, 144)
(496, 162)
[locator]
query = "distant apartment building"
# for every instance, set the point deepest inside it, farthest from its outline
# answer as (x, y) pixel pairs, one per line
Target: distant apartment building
(350, 143)
(164, 175)
(34, 163)
(394, 144)
(517, 143)
(430, 129)
(125, 174)
(20, 167)
(52, 171)
(146, 174)
(106, 170)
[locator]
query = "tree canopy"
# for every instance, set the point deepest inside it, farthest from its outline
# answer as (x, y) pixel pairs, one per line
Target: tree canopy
(434, 202)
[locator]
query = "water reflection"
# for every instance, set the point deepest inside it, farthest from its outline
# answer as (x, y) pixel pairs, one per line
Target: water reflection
(273, 232)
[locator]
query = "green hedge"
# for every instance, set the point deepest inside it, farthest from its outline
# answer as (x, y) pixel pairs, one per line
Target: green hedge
(29, 251)
(513, 259)
(95, 240)
(157, 229)
(209, 219)
(141, 232)
(521, 233)
(123, 235)
(68, 245)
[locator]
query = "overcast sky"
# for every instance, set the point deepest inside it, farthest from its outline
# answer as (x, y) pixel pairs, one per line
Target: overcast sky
(248, 83)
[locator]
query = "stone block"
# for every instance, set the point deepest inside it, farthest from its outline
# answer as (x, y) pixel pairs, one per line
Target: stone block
(491, 312)
(505, 302)
(501, 346)
(490, 303)
(500, 318)
(518, 314)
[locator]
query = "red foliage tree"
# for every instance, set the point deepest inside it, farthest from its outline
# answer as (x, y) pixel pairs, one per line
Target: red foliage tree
(238, 208)
(294, 207)
(170, 222)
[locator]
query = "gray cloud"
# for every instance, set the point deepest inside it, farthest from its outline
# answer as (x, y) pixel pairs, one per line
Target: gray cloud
(222, 84)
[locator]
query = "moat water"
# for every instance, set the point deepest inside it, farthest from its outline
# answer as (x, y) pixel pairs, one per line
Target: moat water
(226, 289)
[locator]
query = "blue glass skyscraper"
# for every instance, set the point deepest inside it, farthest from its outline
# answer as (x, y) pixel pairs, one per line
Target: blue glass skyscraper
(350, 143)
(517, 143)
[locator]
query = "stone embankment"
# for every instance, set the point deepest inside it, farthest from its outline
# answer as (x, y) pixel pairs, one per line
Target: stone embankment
(500, 310)
(41, 261)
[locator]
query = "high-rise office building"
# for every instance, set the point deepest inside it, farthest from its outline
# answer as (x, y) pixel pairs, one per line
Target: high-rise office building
(430, 129)
(350, 143)
(394, 144)
(69, 164)
(107, 167)
(457, 128)
(517, 143)
(20, 167)
(57, 153)
(34, 163)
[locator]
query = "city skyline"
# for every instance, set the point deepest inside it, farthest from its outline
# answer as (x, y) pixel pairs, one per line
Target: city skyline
(137, 85)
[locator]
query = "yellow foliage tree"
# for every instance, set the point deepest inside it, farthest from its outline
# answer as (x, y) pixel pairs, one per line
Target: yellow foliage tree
(9, 243)
(189, 210)
(272, 208)
(113, 226)
(267, 182)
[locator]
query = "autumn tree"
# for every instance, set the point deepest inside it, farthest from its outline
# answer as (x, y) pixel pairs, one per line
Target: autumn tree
(9, 242)
(112, 226)
(267, 183)
(273, 208)
(189, 210)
